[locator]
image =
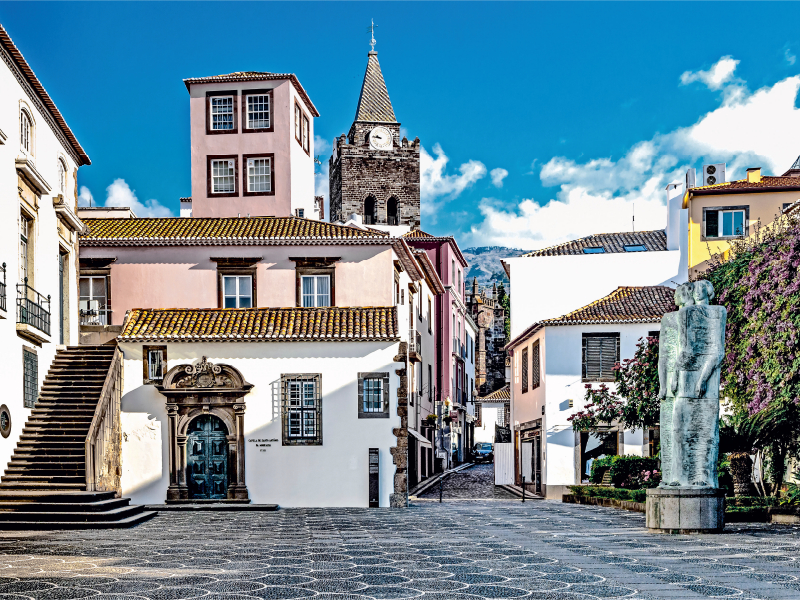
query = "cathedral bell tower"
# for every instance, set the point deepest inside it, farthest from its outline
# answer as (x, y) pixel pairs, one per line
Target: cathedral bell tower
(374, 173)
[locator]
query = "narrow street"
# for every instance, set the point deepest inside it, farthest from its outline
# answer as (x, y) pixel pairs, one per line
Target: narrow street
(476, 482)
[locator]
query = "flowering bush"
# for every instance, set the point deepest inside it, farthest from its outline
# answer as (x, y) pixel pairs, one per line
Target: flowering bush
(627, 471)
(635, 403)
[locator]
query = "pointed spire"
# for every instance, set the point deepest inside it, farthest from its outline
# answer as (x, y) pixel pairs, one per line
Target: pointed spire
(794, 170)
(374, 104)
(796, 164)
(475, 286)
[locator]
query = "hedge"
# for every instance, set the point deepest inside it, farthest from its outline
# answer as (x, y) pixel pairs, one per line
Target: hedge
(626, 471)
(592, 491)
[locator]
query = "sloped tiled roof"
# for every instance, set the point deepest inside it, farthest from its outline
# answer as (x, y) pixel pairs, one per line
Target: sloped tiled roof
(654, 241)
(332, 324)
(218, 231)
(31, 79)
(624, 305)
(417, 233)
(504, 393)
(767, 184)
(374, 103)
(239, 76)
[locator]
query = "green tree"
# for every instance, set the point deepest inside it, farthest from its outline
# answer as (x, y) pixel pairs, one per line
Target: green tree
(505, 302)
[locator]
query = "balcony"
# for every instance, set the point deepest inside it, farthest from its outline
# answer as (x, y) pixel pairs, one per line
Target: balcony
(414, 346)
(33, 319)
(92, 314)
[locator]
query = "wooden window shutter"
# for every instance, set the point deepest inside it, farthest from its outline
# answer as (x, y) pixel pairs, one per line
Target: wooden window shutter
(525, 370)
(535, 367)
(600, 355)
(712, 223)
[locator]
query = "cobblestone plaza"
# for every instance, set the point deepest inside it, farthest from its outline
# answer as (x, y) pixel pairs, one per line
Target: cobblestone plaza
(457, 550)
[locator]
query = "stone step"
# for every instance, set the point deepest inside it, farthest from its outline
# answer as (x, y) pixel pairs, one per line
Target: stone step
(49, 479)
(33, 506)
(35, 525)
(55, 496)
(113, 514)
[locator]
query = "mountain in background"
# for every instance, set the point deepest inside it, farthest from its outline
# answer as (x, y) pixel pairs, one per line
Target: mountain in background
(484, 263)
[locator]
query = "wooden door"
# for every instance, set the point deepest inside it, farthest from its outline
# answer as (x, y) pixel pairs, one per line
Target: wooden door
(207, 458)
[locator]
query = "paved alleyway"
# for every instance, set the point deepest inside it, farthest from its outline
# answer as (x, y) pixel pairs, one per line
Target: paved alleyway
(470, 550)
(475, 482)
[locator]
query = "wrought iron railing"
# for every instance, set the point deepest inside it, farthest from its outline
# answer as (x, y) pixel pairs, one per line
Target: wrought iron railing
(3, 289)
(97, 316)
(103, 447)
(31, 307)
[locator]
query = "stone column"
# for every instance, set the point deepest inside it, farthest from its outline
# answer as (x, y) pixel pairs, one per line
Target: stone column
(173, 492)
(240, 487)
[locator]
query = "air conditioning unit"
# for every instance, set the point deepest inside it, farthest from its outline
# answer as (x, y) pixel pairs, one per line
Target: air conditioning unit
(713, 174)
(691, 178)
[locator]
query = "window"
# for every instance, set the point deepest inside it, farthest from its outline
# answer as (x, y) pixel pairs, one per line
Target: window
(93, 301)
(452, 272)
(154, 363)
(391, 212)
(259, 175)
(316, 290)
(430, 383)
(370, 211)
(459, 282)
(298, 115)
(300, 213)
(535, 366)
(419, 306)
(222, 113)
(396, 289)
(600, 354)
(430, 325)
(524, 370)
(726, 222)
(30, 377)
(302, 410)
(62, 177)
(258, 106)
(635, 248)
(24, 249)
(25, 131)
(306, 128)
(237, 291)
(373, 395)
(594, 250)
(222, 172)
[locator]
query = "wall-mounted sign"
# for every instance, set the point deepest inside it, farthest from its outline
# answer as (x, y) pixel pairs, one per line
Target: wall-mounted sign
(263, 444)
(374, 477)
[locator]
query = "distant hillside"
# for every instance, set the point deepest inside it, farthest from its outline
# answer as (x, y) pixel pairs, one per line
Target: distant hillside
(484, 263)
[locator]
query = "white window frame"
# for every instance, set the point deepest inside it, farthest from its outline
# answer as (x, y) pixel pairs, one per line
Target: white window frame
(25, 131)
(215, 178)
(373, 395)
(721, 220)
(62, 176)
(213, 112)
(317, 299)
(237, 295)
(265, 99)
(305, 132)
(155, 364)
(25, 226)
(251, 164)
(86, 302)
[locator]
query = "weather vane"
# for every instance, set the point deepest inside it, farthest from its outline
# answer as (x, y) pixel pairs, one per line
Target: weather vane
(371, 31)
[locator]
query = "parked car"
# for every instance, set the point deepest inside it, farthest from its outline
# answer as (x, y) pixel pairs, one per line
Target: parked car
(483, 452)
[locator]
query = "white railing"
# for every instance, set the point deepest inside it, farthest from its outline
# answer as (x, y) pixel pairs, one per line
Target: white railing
(104, 440)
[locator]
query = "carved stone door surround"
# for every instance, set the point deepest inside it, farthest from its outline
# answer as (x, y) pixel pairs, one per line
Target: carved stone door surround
(204, 388)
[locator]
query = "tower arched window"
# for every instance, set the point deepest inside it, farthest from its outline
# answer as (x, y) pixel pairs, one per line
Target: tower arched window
(25, 131)
(391, 212)
(370, 211)
(62, 177)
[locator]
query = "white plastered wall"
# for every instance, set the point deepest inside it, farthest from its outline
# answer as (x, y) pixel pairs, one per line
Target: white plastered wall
(333, 474)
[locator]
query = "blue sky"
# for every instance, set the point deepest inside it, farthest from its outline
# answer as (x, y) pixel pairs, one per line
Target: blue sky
(590, 108)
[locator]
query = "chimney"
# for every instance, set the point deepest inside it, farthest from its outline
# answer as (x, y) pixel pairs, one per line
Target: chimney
(754, 175)
(186, 208)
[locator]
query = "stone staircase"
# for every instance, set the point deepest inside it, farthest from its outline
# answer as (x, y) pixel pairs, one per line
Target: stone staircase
(44, 486)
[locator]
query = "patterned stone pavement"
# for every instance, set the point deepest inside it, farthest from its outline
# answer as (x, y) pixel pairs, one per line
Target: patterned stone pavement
(457, 550)
(475, 482)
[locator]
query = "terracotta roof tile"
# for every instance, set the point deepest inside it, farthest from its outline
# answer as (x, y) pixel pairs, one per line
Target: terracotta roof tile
(504, 393)
(767, 183)
(417, 233)
(654, 241)
(332, 324)
(252, 230)
(373, 103)
(623, 305)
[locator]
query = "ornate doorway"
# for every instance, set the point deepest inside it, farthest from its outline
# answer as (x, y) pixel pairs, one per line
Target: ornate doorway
(205, 404)
(207, 459)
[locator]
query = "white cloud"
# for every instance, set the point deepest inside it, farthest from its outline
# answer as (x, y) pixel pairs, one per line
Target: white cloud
(436, 187)
(747, 129)
(321, 145)
(789, 56)
(85, 198)
(497, 177)
(119, 193)
(321, 186)
(714, 78)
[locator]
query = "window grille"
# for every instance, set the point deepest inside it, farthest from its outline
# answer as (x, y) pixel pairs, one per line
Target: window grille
(373, 395)
(316, 290)
(535, 366)
(155, 363)
(221, 112)
(223, 176)
(600, 355)
(302, 410)
(30, 378)
(258, 112)
(259, 175)
(237, 291)
(525, 370)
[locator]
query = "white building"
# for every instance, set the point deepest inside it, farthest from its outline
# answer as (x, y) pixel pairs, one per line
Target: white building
(554, 281)
(553, 361)
(39, 160)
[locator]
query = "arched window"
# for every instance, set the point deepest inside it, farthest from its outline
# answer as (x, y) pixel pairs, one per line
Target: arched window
(370, 211)
(391, 212)
(25, 131)
(62, 177)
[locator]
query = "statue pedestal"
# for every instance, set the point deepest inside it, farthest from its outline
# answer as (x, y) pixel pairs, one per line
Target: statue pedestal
(685, 510)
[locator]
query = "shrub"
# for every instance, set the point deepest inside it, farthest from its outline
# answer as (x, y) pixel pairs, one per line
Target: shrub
(627, 471)
(590, 491)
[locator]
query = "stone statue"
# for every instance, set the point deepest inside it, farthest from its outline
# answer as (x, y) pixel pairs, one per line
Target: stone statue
(695, 416)
(668, 352)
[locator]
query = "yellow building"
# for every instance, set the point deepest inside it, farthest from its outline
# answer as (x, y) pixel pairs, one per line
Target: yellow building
(726, 211)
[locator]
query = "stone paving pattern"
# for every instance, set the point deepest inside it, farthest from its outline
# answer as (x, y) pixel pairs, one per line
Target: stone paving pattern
(472, 483)
(456, 550)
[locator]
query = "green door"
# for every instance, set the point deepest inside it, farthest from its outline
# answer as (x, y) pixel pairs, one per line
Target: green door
(207, 458)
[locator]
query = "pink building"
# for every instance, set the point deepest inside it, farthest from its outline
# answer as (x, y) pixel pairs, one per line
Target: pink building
(252, 137)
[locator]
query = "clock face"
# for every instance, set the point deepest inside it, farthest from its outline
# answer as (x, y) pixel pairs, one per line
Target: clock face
(380, 138)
